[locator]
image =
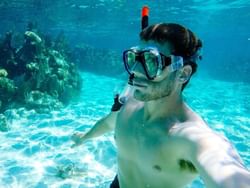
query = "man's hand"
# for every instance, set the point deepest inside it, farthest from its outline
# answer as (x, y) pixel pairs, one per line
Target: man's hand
(78, 139)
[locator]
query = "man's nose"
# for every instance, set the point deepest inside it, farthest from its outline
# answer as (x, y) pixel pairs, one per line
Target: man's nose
(138, 70)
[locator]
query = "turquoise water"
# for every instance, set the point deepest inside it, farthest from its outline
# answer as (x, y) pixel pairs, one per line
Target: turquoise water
(37, 148)
(36, 153)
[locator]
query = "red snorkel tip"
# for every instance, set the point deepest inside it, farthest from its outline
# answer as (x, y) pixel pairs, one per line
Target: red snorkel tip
(144, 17)
(145, 11)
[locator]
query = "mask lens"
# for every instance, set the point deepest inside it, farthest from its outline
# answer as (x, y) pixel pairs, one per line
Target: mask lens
(151, 63)
(130, 59)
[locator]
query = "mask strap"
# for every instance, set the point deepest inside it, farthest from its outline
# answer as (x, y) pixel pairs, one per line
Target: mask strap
(197, 56)
(177, 63)
(131, 77)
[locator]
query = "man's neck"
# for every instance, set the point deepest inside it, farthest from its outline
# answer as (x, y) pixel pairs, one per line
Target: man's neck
(167, 107)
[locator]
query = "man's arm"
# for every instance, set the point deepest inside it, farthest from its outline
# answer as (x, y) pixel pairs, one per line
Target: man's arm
(102, 126)
(218, 163)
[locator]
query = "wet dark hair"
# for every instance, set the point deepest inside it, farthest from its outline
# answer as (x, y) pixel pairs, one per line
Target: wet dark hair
(183, 41)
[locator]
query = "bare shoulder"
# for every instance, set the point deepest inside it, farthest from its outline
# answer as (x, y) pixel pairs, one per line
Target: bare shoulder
(202, 138)
(211, 152)
(192, 130)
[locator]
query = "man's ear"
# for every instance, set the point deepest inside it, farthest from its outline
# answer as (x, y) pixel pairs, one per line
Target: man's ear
(185, 73)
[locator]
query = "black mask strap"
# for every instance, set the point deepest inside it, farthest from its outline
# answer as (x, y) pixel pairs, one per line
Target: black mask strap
(131, 77)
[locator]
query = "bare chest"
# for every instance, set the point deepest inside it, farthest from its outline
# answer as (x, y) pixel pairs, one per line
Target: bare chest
(151, 141)
(148, 155)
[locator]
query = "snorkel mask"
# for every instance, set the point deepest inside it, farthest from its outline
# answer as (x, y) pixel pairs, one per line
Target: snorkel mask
(152, 61)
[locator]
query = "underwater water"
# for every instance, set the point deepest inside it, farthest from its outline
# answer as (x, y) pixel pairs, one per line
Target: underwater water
(36, 153)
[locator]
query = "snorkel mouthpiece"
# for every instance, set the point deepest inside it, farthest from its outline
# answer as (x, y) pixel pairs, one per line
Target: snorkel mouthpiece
(144, 17)
(130, 81)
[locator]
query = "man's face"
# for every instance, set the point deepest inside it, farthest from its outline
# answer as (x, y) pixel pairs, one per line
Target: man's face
(161, 86)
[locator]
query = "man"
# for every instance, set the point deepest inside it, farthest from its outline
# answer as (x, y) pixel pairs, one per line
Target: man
(161, 142)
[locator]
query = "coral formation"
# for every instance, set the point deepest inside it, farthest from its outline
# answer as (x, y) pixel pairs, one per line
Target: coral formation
(3, 123)
(35, 75)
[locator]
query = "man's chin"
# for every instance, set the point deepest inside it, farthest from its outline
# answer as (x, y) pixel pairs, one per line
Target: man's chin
(138, 95)
(141, 96)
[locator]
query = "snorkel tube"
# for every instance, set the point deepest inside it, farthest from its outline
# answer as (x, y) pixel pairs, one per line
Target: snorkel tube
(144, 24)
(144, 17)
(128, 91)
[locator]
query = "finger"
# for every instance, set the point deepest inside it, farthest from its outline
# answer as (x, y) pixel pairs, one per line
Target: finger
(76, 144)
(75, 136)
(73, 145)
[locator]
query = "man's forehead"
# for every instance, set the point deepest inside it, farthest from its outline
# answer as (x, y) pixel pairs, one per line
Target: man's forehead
(165, 48)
